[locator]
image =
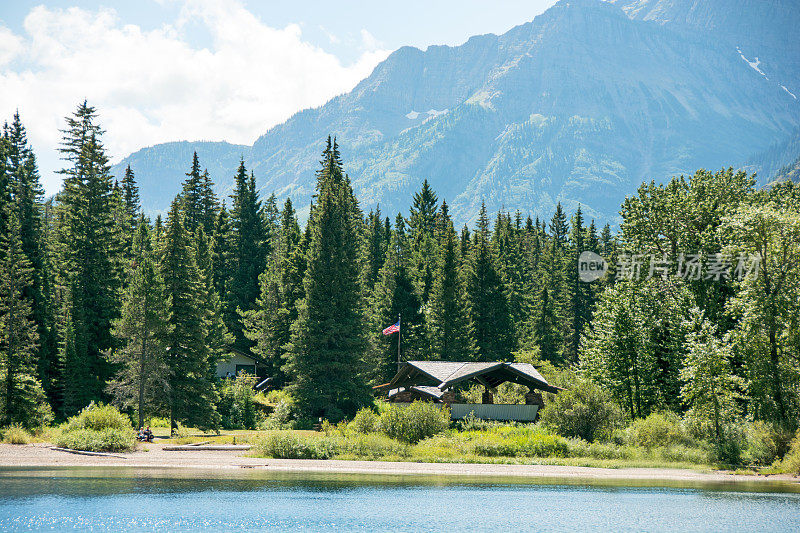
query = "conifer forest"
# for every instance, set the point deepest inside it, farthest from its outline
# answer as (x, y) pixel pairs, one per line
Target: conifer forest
(698, 314)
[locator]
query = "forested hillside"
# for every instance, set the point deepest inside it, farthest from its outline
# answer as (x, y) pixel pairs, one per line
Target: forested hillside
(699, 314)
(576, 107)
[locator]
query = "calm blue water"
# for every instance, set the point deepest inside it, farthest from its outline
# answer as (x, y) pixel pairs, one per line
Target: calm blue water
(78, 499)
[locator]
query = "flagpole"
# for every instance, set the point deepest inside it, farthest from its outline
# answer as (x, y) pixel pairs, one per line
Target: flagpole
(399, 333)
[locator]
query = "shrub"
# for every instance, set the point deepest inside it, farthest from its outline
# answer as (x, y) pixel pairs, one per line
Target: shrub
(371, 446)
(763, 441)
(287, 446)
(102, 440)
(584, 411)
(414, 422)
(658, 429)
(98, 428)
(16, 434)
(236, 404)
(97, 417)
(365, 421)
(791, 461)
(281, 417)
(158, 422)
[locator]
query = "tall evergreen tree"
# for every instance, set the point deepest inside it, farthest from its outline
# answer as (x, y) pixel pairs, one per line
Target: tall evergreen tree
(87, 242)
(22, 399)
(191, 196)
(269, 324)
(191, 394)
(248, 259)
(487, 298)
(423, 227)
(450, 331)
(142, 331)
(328, 342)
(27, 203)
(395, 295)
(209, 204)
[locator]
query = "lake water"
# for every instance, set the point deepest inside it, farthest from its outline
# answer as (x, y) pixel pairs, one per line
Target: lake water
(166, 501)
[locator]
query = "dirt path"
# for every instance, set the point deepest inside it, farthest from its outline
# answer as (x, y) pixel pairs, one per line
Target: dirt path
(153, 456)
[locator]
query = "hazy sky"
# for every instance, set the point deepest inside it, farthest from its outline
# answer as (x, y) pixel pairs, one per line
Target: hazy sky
(208, 69)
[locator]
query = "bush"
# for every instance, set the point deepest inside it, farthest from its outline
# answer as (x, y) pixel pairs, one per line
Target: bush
(16, 434)
(103, 440)
(365, 421)
(372, 446)
(97, 417)
(765, 443)
(658, 429)
(287, 446)
(791, 461)
(281, 417)
(98, 428)
(236, 404)
(414, 422)
(519, 443)
(584, 411)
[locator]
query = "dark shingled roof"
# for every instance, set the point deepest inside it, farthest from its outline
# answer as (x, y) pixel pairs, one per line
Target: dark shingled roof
(445, 374)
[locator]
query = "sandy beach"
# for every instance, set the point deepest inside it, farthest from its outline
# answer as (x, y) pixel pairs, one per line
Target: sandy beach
(154, 456)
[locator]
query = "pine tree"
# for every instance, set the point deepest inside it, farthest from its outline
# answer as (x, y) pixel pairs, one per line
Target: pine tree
(450, 330)
(27, 203)
(373, 251)
(248, 258)
(191, 394)
(209, 204)
(328, 342)
(89, 270)
(130, 197)
(22, 399)
(142, 332)
(423, 226)
(218, 338)
(269, 324)
(487, 298)
(191, 196)
(579, 301)
(395, 295)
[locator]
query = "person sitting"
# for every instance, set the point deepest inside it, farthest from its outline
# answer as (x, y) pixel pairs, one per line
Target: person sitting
(140, 435)
(148, 435)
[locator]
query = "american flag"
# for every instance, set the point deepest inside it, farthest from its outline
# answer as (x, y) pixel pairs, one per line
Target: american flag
(392, 329)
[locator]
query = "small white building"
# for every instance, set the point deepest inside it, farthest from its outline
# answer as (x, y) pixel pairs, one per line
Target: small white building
(240, 362)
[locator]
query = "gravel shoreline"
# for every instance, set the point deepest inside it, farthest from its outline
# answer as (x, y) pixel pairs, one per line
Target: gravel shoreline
(152, 456)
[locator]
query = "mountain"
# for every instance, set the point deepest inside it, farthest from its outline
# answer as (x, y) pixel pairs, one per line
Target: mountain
(579, 105)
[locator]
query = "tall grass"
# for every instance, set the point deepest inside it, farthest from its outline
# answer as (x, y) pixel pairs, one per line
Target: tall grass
(16, 434)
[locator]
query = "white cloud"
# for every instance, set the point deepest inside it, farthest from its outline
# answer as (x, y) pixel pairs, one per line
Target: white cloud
(154, 86)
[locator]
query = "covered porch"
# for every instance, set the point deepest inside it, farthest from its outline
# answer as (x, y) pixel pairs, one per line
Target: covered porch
(438, 381)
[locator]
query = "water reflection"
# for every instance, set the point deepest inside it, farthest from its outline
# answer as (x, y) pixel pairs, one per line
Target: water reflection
(174, 500)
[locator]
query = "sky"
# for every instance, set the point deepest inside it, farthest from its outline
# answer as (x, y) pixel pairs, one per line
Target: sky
(168, 70)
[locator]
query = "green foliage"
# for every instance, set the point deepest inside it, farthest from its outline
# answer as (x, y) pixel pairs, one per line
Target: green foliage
(519, 442)
(236, 405)
(90, 269)
(98, 416)
(414, 422)
(657, 429)
(791, 461)
(365, 421)
(284, 445)
(584, 411)
(97, 428)
(103, 440)
(16, 434)
(328, 343)
(142, 329)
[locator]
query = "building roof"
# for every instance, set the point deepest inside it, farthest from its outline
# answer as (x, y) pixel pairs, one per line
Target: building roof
(445, 374)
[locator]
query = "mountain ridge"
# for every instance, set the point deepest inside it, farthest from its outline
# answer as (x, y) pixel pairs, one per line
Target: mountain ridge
(578, 106)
